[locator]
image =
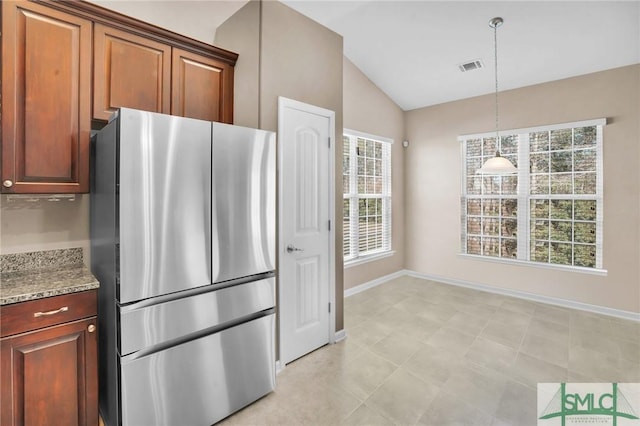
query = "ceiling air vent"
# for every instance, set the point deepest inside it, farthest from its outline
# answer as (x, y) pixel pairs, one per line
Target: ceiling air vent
(470, 66)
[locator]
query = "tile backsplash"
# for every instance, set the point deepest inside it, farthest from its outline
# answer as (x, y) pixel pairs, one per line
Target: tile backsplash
(16, 262)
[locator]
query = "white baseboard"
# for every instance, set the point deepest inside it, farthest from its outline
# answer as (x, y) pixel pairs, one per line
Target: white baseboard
(339, 335)
(618, 313)
(565, 303)
(279, 367)
(374, 283)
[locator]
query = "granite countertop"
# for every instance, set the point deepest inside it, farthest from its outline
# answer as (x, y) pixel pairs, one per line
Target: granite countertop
(30, 276)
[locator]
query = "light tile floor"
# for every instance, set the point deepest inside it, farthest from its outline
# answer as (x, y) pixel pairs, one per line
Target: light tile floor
(421, 352)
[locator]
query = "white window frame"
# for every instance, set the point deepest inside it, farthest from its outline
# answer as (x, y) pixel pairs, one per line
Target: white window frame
(524, 197)
(356, 257)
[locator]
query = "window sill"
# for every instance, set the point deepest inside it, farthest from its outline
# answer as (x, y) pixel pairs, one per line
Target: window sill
(566, 268)
(369, 258)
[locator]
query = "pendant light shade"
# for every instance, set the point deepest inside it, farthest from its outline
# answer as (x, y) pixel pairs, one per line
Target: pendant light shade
(497, 165)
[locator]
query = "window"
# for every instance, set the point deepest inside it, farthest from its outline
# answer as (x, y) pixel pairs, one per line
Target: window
(549, 212)
(366, 171)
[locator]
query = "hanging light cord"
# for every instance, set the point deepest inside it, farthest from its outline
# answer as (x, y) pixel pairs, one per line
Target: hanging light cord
(497, 165)
(495, 64)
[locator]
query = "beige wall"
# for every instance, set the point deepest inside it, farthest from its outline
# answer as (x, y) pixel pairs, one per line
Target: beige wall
(241, 34)
(302, 60)
(367, 109)
(43, 225)
(433, 185)
(192, 18)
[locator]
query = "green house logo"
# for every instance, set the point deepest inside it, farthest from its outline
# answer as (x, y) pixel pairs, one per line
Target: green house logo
(588, 403)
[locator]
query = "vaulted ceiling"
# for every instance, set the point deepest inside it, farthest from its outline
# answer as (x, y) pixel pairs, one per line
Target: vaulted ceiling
(411, 49)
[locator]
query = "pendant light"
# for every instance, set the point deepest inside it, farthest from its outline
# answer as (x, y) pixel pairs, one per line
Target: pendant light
(496, 165)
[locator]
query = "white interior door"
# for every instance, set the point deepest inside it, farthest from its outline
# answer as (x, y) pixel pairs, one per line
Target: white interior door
(305, 137)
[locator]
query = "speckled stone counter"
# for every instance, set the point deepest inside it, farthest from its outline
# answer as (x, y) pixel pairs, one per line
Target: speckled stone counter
(35, 275)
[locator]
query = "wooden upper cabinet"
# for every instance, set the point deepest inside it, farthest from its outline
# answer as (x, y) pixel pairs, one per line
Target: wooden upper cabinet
(48, 49)
(46, 95)
(201, 87)
(129, 71)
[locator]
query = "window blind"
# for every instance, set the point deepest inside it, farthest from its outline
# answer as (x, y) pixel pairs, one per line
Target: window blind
(366, 195)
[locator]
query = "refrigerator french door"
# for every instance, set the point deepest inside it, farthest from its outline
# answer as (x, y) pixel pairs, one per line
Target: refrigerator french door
(183, 244)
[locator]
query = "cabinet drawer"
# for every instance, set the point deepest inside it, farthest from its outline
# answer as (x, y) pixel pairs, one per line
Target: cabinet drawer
(34, 314)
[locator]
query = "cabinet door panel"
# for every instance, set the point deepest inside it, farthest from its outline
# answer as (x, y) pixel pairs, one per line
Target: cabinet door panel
(130, 71)
(60, 356)
(46, 94)
(202, 87)
(49, 376)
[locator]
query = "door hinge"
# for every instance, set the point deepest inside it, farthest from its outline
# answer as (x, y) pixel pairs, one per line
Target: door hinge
(329, 307)
(329, 141)
(329, 225)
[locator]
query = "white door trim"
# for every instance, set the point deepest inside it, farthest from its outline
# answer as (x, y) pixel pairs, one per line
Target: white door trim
(331, 115)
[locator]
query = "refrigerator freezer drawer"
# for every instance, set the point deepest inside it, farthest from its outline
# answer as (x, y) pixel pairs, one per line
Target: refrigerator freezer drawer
(148, 326)
(202, 381)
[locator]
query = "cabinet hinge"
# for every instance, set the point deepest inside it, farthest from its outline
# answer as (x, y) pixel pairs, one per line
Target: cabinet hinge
(329, 307)
(329, 225)
(329, 141)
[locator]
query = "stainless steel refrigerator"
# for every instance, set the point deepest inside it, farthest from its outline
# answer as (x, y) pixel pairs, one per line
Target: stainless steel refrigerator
(183, 244)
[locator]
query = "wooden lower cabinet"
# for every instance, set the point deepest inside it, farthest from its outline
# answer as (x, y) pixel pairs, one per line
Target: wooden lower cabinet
(49, 376)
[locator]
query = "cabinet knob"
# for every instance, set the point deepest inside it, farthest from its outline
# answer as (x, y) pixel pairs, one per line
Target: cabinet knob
(7, 183)
(91, 328)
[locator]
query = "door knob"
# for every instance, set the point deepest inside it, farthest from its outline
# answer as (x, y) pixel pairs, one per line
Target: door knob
(7, 183)
(291, 249)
